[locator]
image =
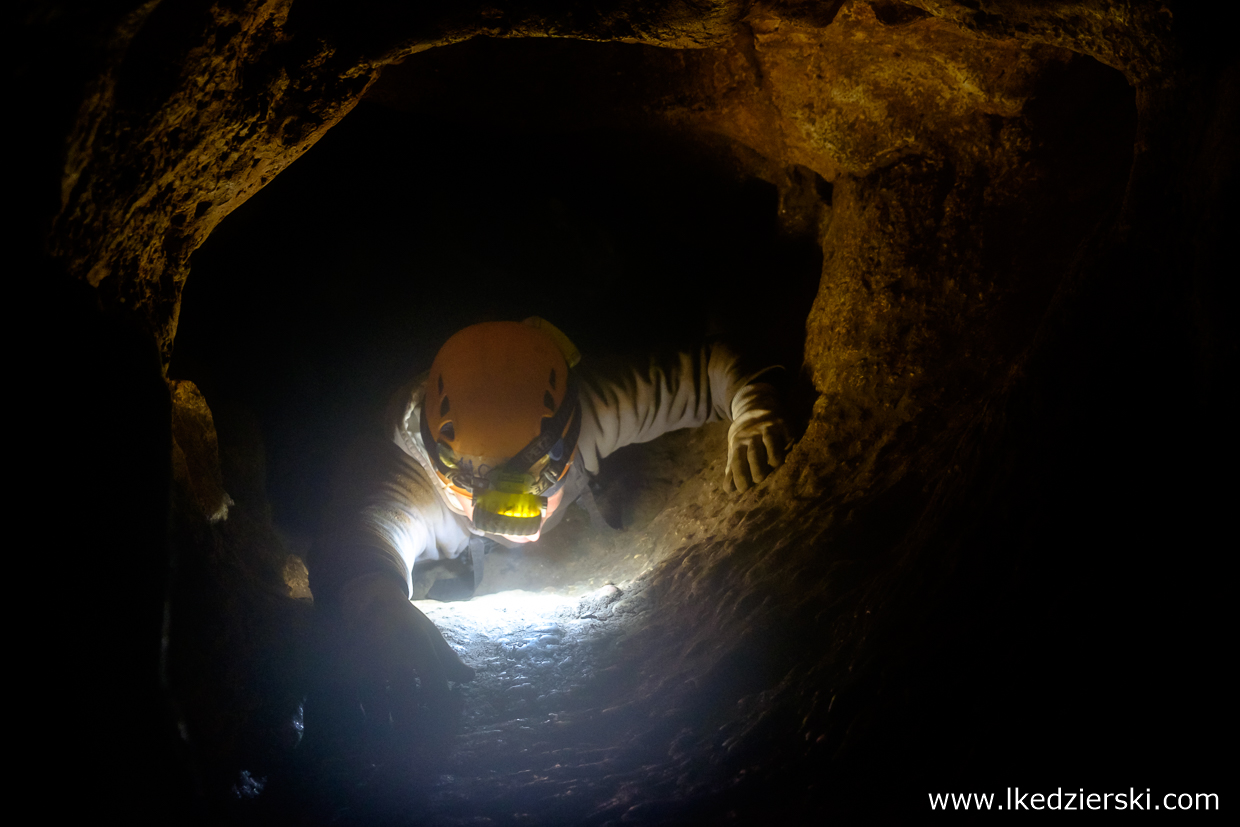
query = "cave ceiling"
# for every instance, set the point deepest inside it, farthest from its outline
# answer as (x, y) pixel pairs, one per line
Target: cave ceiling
(200, 104)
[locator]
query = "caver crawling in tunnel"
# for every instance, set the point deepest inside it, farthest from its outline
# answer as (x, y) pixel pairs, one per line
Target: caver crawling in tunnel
(991, 239)
(492, 445)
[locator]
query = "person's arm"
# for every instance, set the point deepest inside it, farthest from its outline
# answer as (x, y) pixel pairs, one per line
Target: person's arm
(628, 402)
(384, 515)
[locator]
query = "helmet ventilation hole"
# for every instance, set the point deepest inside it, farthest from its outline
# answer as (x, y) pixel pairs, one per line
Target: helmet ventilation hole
(447, 432)
(444, 406)
(549, 401)
(551, 380)
(441, 384)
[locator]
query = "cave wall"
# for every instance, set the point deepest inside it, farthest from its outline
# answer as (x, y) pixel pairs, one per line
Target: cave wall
(184, 85)
(974, 380)
(197, 105)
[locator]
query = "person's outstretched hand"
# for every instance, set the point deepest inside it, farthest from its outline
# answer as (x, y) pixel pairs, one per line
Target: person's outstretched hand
(758, 440)
(394, 653)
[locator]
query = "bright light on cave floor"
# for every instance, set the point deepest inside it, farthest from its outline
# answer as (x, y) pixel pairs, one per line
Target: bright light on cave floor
(544, 621)
(537, 656)
(500, 616)
(530, 645)
(558, 588)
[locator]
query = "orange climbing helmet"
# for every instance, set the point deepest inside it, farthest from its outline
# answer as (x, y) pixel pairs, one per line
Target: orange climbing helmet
(500, 420)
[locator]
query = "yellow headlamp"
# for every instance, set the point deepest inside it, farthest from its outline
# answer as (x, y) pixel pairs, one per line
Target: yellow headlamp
(518, 515)
(506, 504)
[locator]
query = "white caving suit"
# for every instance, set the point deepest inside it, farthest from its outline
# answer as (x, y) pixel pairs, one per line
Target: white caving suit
(388, 512)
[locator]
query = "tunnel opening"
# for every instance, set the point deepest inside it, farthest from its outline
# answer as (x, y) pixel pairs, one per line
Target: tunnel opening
(329, 290)
(439, 203)
(936, 588)
(319, 297)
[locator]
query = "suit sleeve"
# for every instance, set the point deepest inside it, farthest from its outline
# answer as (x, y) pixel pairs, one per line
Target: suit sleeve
(384, 515)
(628, 402)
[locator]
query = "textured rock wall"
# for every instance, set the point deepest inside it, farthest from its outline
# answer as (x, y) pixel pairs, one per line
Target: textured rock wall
(198, 104)
(196, 452)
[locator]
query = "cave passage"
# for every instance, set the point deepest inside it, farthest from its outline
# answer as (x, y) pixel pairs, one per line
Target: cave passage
(988, 245)
(339, 281)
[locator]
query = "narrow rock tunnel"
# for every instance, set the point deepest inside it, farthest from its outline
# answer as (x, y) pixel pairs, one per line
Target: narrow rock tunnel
(985, 244)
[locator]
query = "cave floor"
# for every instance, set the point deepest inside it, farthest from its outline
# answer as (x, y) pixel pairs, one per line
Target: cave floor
(544, 733)
(539, 731)
(535, 744)
(554, 729)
